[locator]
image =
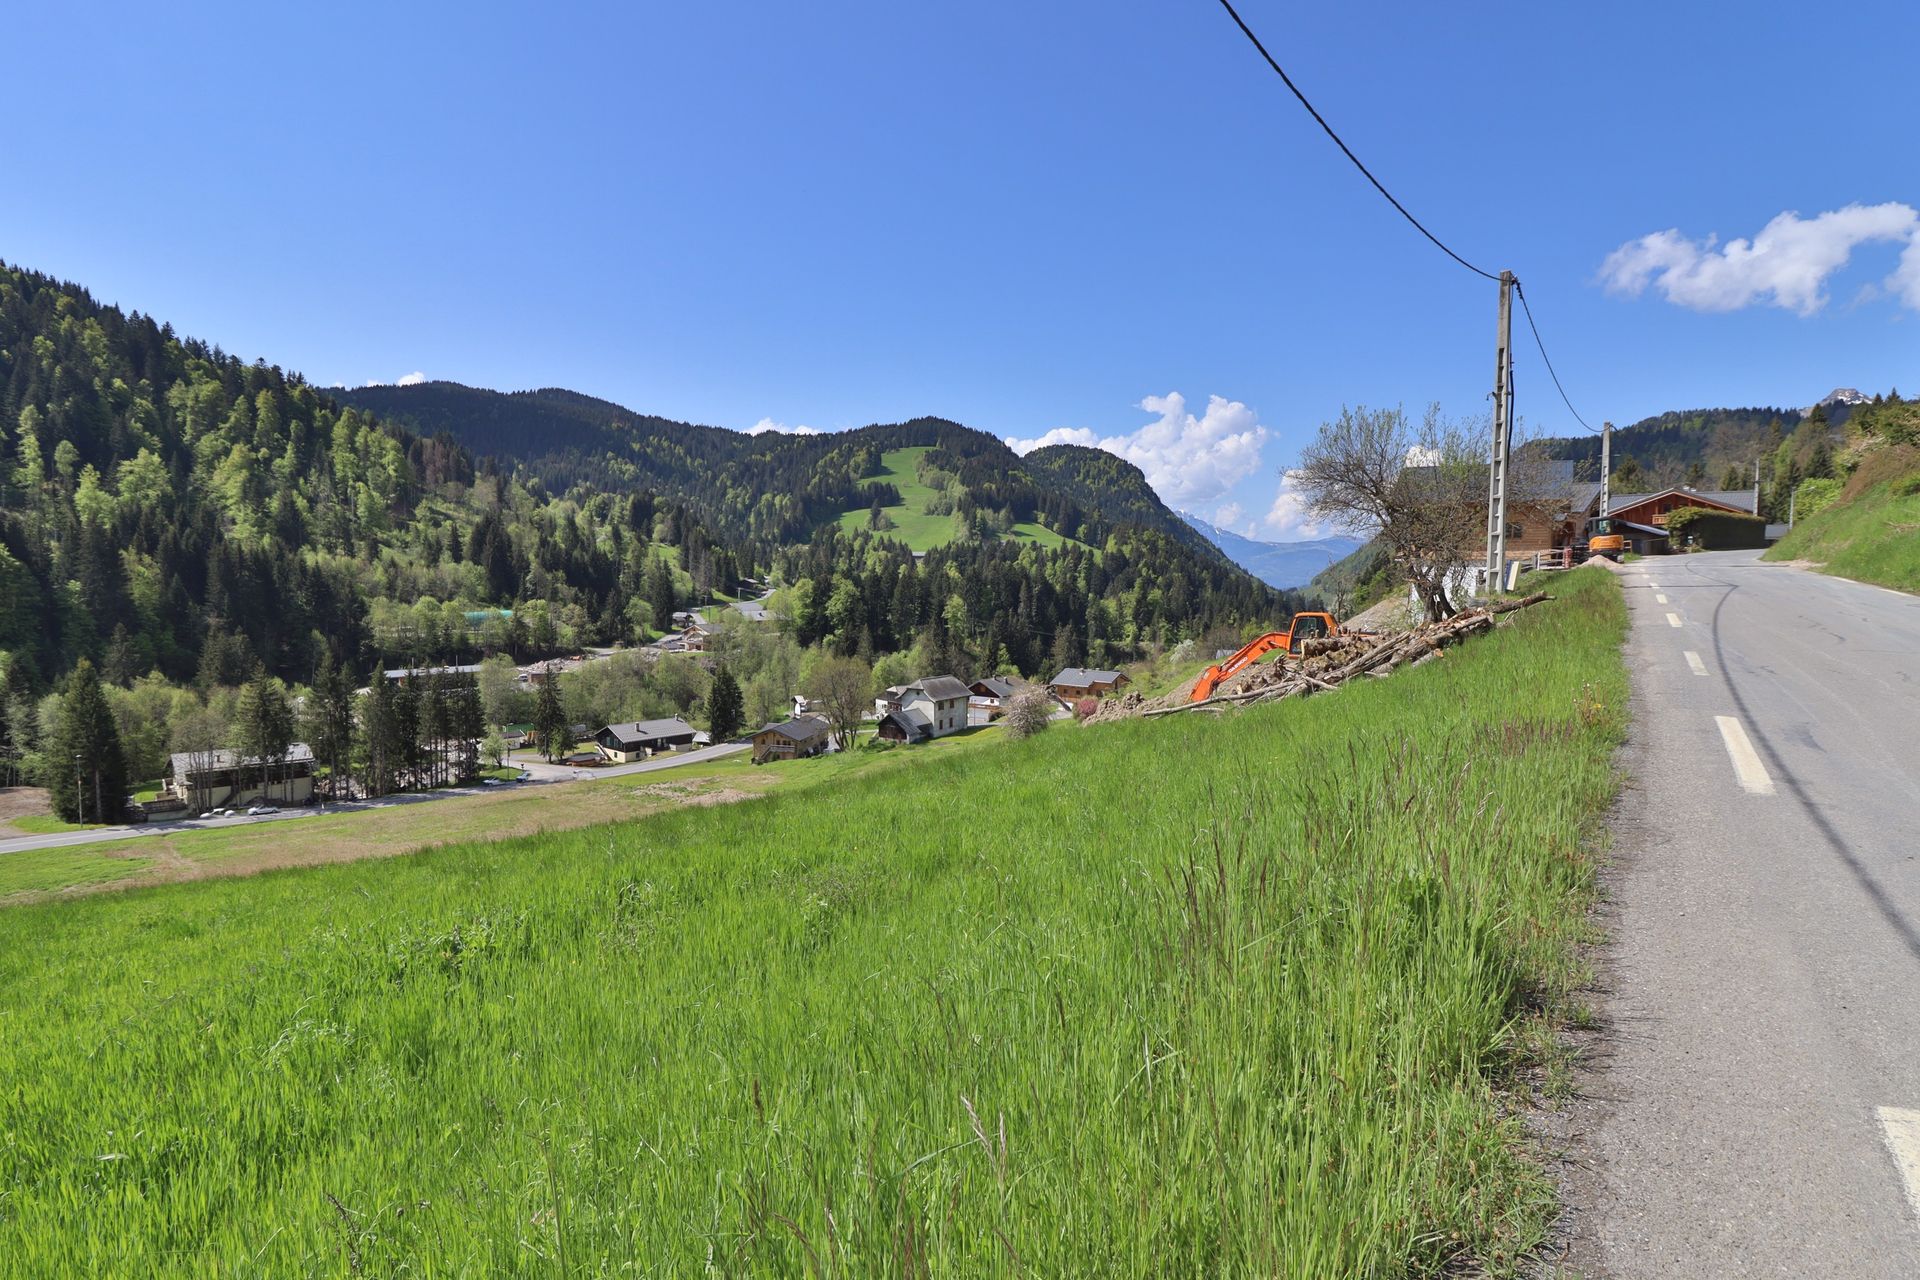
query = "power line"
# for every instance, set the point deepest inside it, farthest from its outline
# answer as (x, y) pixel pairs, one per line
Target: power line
(1348, 151)
(1546, 360)
(1418, 226)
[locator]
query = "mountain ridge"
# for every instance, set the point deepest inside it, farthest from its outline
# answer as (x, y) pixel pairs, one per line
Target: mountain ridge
(567, 437)
(1283, 565)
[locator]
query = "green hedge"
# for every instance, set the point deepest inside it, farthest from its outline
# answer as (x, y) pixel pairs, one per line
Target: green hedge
(1715, 530)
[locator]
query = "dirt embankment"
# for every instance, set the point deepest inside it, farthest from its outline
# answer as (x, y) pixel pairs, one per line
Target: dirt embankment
(24, 802)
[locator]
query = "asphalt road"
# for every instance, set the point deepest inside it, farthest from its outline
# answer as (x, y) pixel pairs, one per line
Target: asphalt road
(540, 771)
(1761, 1085)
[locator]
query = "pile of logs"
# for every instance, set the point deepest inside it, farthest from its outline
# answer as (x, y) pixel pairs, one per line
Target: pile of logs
(1328, 663)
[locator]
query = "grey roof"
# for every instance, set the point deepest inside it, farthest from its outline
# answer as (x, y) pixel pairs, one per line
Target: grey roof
(1081, 678)
(997, 686)
(223, 758)
(911, 723)
(465, 669)
(1739, 499)
(1582, 495)
(798, 728)
(646, 730)
(939, 688)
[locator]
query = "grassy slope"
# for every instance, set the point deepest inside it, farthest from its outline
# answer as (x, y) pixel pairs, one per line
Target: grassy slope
(350, 835)
(1077, 1002)
(912, 524)
(1873, 532)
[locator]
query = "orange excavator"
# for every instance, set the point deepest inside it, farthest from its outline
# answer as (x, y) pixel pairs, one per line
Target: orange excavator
(1304, 627)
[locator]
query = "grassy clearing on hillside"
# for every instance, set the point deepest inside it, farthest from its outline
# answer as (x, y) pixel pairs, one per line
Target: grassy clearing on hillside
(1186, 997)
(912, 523)
(1873, 532)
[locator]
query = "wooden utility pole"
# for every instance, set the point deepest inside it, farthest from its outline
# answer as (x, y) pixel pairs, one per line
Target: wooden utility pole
(1502, 439)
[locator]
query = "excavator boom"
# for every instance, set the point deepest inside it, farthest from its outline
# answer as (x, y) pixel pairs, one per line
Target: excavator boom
(1307, 625)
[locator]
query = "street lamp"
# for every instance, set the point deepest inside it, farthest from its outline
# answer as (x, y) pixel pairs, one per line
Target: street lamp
(79, 796)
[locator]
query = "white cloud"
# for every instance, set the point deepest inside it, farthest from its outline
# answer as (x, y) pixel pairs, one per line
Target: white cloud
(1288, 517)
(1188, 460)
(1059, 435)
(413, 379)
(780, 428)
(1228, 516)
(1786, 265)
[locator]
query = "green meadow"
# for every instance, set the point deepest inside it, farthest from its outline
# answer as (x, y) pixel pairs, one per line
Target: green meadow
(1164, 998)
(913, 524)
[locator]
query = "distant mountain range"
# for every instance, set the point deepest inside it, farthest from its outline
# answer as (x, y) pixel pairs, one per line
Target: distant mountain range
(1278, 564)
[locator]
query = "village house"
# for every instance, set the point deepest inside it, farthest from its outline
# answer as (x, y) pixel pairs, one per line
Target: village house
(988, 698)
(937, 705)
(212, 779)
(638, 739)
(407, 675)
(1077, 682)
(1641, 518)
(790, 739)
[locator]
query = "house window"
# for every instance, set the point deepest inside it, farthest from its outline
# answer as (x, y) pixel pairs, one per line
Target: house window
(1516, 530)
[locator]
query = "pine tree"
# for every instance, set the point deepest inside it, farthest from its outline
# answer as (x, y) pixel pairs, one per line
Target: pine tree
(264, 726)
(330, 723)
(380, 732)
(724, 706)
(86, 752)
(552, 732)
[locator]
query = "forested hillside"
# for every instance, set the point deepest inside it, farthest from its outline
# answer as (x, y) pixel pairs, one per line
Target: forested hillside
(1705, 448)
(167, 507)
(775, 488)
(179, 526)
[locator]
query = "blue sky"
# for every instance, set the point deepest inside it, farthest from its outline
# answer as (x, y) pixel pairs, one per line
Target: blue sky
(1106, 220)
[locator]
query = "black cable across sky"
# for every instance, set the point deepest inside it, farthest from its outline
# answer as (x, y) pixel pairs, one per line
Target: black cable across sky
(1345, 149)
(1417, 224)
(1528, 311)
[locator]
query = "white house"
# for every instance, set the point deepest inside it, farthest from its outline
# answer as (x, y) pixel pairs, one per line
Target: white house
(937, 704)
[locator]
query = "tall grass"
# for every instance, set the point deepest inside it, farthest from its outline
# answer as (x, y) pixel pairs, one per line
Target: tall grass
(1180, 997)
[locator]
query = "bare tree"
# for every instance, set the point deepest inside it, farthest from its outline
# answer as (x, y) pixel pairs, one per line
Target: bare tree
(199, 736)
(843, 687)
(1422, 491)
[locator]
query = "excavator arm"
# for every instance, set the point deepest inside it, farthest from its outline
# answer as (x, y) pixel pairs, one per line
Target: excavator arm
(1310, 625)
(1247, 654)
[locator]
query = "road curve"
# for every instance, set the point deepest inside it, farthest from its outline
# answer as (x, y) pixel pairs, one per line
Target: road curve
(1760, 1083)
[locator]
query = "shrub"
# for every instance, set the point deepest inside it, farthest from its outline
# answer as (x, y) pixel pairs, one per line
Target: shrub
(1085, 707)
(1814, 496)
(1030, 712)
(1715, 530)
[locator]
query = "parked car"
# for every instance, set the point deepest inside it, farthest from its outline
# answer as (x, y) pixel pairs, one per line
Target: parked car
(254, 811)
